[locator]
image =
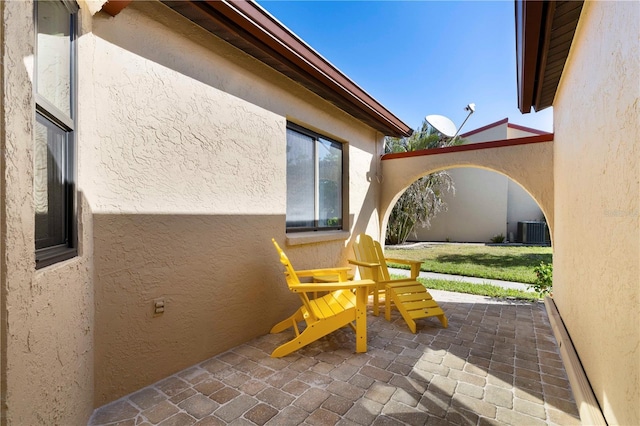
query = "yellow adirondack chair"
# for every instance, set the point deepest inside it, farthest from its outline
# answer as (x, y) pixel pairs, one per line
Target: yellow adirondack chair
(408, 295)
(345, 304)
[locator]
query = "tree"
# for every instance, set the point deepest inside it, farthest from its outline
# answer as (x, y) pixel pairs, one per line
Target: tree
(423, 199)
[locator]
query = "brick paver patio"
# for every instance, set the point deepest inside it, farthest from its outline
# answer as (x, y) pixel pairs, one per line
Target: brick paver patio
(497, 363)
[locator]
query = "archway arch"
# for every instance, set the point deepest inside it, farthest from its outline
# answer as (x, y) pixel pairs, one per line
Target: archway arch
(527, 161)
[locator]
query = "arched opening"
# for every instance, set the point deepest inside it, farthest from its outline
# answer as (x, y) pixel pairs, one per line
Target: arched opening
(526, 161)
(485, 206)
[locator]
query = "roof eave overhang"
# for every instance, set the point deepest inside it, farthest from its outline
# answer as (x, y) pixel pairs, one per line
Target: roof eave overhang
(250, 28)
(544, 33)
(113, 7)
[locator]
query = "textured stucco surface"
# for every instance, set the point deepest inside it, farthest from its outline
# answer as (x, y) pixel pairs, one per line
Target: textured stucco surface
(597, 203)
(513, 133)
(47, 316)
(475, 213)
(494, 133)
(485, 203)
(187, 185)
(530, 165)
(181, 185)
(521, 207)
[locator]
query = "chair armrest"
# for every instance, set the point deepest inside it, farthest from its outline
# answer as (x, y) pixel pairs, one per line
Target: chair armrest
(407, 280)
(342, 272)
(403, 261)
(375, 268)
(347, 285)
(415, 265)
(365, 264)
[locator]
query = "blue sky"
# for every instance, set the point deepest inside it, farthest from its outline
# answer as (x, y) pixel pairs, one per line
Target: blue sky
(420, 57)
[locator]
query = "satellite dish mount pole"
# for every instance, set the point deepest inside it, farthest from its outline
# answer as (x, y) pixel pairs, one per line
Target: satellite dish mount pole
(471, 108)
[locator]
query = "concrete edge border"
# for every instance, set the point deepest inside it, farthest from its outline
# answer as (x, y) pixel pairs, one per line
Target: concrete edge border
(590, 411)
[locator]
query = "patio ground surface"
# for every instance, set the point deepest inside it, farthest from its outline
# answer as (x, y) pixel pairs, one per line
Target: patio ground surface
(496, 363)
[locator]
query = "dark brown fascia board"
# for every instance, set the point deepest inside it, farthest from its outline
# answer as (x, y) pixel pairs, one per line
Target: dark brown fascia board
(539, 102)
(509, 125)
(544, 34)
(483, 128)
(529, 23)
(113, 7)
(527, 129)
(547, 137)
(249, 27)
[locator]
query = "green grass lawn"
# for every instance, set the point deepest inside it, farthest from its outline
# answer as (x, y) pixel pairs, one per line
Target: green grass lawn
(509, 263)
(479, 289)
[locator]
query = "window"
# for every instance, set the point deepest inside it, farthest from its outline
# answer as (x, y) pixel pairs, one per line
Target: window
(314, 181)
(54, 155)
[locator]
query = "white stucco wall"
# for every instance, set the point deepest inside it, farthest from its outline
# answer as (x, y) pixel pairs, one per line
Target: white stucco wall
(494, 133)
(513, 132)
(520, 207)
(475, 213)
(597, 203)
(47, 315)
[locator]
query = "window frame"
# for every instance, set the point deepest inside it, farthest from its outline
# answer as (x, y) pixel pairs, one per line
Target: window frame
(343, 191)
(47, 111)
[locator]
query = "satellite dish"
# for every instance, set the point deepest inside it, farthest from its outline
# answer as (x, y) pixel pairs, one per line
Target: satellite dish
(442, 124)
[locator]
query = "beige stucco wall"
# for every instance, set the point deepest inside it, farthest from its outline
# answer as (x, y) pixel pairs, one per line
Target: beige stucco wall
(181, 183)
(485, 203)
(185, 173)
(530, 165)
(47, 315)
(597, 203)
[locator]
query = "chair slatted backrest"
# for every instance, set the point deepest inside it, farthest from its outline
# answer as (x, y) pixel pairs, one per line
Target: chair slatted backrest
(292, 278)
(368, 250)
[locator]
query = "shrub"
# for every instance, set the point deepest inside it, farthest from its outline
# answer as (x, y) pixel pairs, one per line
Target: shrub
(497, 239)
(544, 279)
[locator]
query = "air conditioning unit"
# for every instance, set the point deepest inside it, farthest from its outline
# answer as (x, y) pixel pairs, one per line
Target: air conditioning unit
(531, 232)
